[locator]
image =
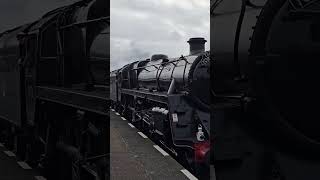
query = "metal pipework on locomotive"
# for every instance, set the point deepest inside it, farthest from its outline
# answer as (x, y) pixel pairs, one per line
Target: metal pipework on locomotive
(160, 110)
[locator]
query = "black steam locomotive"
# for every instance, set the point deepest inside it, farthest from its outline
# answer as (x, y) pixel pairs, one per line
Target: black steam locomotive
(170, 100)
(54, 84)
(264, 91)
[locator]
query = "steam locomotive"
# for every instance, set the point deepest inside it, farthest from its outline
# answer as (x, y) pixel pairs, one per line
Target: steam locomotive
(169, 100)
(264, 88)
(54, 88)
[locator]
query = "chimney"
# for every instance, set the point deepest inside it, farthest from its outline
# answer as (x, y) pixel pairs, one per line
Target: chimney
(197, 45)
(156, 57)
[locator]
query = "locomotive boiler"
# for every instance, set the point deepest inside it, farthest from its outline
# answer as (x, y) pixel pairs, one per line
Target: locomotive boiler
(54, 91)
(169, 99)
(263, 88)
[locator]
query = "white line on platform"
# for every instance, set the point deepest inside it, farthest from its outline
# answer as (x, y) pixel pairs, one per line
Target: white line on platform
(24, 165)
(188, 174)
(164, 153)
(40, 178)
(142, 135)
(117, 114)
(1, 145)
(9, 153)
(131, 125)
(112, 109)
(123, 118)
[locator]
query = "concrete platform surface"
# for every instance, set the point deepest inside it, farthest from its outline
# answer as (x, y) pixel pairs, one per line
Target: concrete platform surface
(135, 157)
(13, 169)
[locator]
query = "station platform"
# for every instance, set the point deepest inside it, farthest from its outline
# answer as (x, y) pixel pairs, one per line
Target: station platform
(13, 169)
(134, 156)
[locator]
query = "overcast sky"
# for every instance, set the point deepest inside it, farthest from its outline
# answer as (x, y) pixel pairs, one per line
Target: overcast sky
(140, 28)
(14, 13)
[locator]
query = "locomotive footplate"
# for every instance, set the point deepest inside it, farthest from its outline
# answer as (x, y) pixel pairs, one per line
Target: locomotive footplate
(90, 101)
(153, 96)
(134, 156)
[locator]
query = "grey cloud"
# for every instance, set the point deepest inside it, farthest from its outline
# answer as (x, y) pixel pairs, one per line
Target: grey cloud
(156, 26)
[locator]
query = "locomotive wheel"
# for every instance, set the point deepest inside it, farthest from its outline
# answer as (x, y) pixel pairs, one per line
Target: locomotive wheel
(22, 146)
(186, 158)
(119, 109)
(280, 85)
(200, 170)
(126, 113)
